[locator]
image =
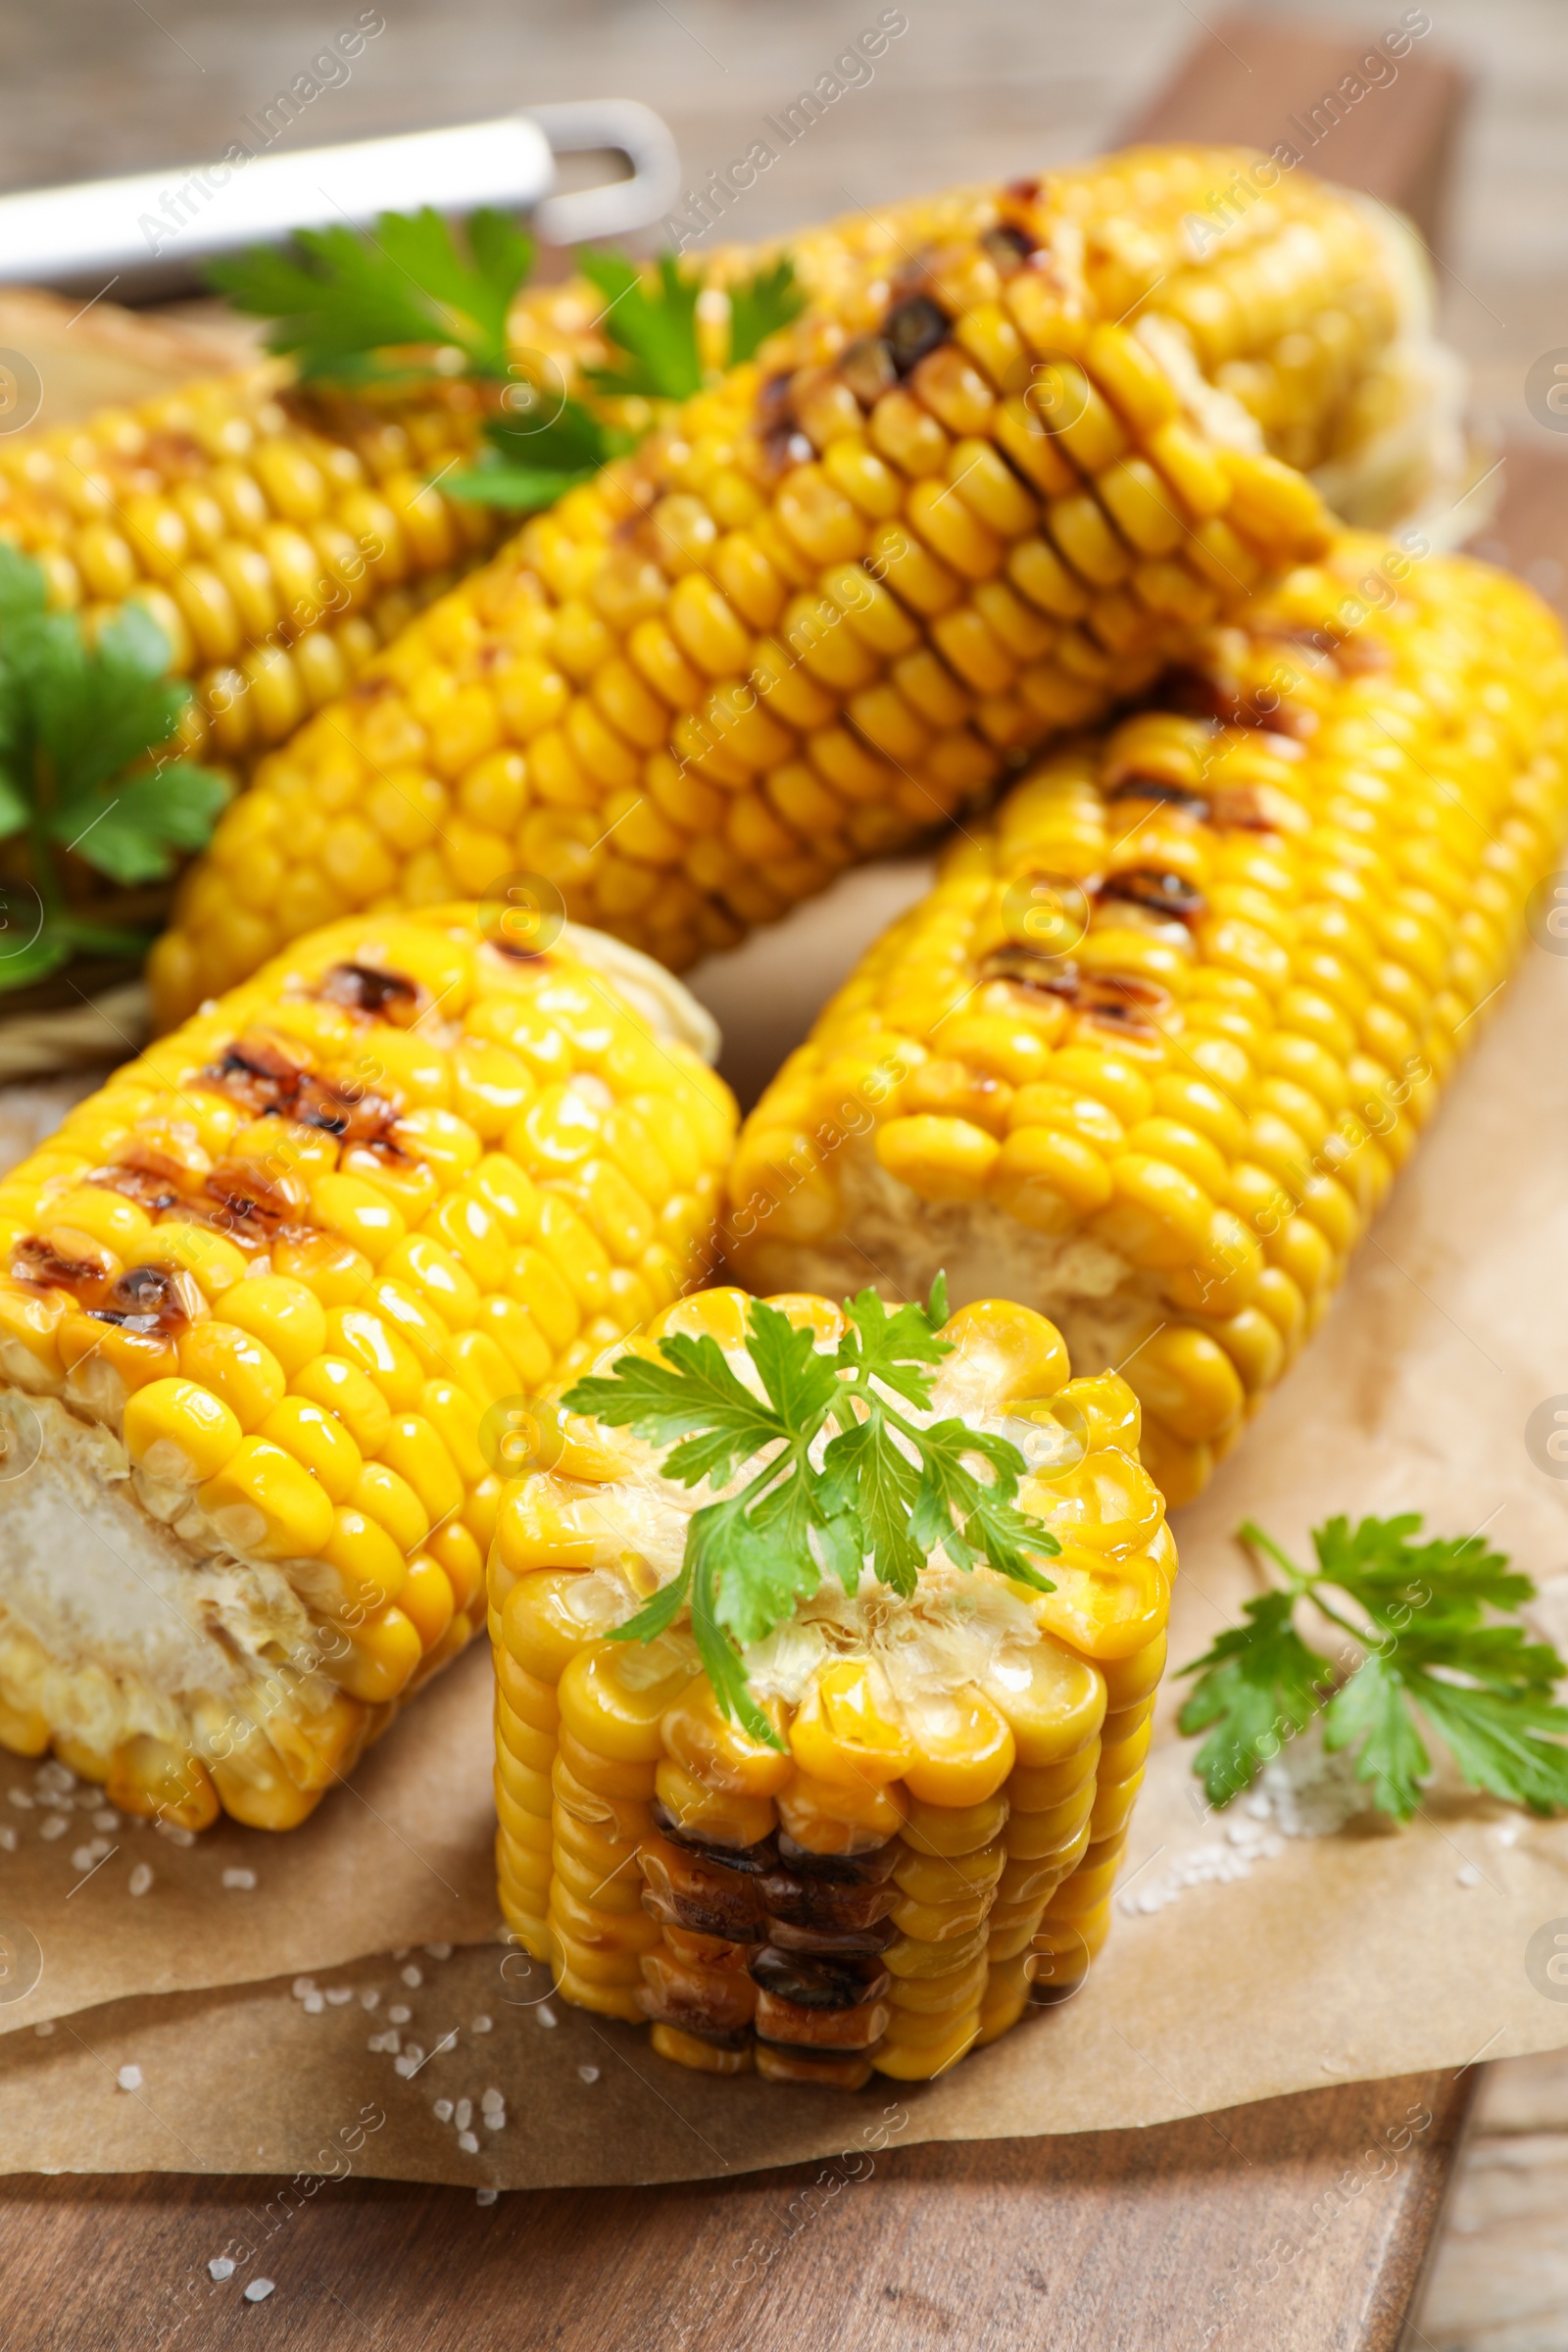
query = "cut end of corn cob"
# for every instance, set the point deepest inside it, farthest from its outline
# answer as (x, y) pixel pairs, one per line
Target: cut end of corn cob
(936, 1835)
(822, 608)
(1152, 1052)
(269, 1299)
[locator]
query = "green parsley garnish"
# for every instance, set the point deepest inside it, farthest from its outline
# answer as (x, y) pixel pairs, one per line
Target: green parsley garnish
(889, 1489)
(406, 303)
(1425, 1648)
(75, 723)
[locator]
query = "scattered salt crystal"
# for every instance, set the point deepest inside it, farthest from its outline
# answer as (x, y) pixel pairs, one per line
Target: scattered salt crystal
(54, 1801)
(222, 2266)
(47, 2026)
(313, 2004)
(1505, 1833)
(242, 1882)
(175, 1832)
(257, 2290)
(8, 1838)
(411, 1977)
(441, 2109)
(468, 2143)
(130, 2078)
(400, 2013)
(464, 2114)
(55, 1827)
(141, 1878)
(337, 1995)
(384, 2042)
(1467, 1874)
(415, 2052)
(1257, 1805)
(480, 2025)
(1245, 1831)
(55, 1776)
(89, 1857)
(485, 2196)
(496, 2122)
(21, 1800)
(301, 1987)
(106, 1819)
(545, 2014)
(589, 2074)
(493, 2102)
(406, 2064)
(370, 1997)
(439, 1951)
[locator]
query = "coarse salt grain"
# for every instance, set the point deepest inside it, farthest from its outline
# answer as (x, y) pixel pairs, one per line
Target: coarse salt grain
(55, 1776)
(492, 2102)
(105, 1819)
(88, 1856)
(55, 1827)
(400, 2013)
(589, 2074)
(222, 2266)
(441, 2109)
(257, 2290)
(370, 1997)
(480, 2025)
(415, 2052)
(47, 2026)
(8, 1838)
(130, 2078)
(464, 2114)
(439, 1951)
(21, 1800)
(301, 1987)
(175, 1832)
(496, 2122)
(1467, 1874)
(411, 1977)
(485, 2196)
(313, 2004)
(337, 1995)
(545, 2014)
(406, 2066)
(241, 1882)
(468, 2143)
(141, 1878)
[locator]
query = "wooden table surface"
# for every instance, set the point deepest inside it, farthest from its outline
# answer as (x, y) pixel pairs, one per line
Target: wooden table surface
(1300, 2225)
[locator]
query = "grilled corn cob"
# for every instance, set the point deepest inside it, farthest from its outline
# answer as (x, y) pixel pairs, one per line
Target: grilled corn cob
(261, 1293)
(883, 1888)
(277, 556)
(1150, 1053)
(814, 614)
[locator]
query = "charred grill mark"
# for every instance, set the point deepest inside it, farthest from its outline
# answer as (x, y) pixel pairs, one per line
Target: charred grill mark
(156, 1300)
(866, 366)
(1159, 892)
(268, 1083)
(47, 1266)
(1028, 967)
(809, 1929)
(1122, 1001)
(1159, 789)
(362, 988)
(1201, 694)
(248, 1205)
(913, 328)
(1009, 246)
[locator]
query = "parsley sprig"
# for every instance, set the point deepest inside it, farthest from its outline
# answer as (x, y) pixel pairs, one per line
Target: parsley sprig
(409, 303)
(76, 721)
(1425, 1648)
(889, 1489)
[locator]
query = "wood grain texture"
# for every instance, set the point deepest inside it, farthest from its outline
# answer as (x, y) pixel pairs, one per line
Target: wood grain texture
(1265, 2228)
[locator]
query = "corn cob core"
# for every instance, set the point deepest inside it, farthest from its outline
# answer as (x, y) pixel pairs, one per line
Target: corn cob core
(261, 1293)
(1150, 1054)
(812, 616)
(941, 1828)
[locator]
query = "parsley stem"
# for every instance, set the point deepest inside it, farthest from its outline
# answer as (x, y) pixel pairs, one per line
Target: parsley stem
(1253, 1537)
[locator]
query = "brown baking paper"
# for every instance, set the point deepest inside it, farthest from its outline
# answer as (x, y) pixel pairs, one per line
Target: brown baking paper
(1367, 1953)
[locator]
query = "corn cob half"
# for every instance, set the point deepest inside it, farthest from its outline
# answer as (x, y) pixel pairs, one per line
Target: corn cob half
(815, 614)
(936, 1830)
(261, 1293)
(1152, 1051)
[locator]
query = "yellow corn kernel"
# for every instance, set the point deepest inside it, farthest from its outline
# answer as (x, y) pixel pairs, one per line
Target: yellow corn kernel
(238, 1369)
(319, 1441)
(264, 1501)
(179, 1431)
(284, 1315)
(377, 1656)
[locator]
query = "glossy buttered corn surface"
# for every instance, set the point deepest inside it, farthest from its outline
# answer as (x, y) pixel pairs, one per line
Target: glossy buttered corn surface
(261, 1295)
(819, 608)
(1150, 1055)
(937, 1834)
